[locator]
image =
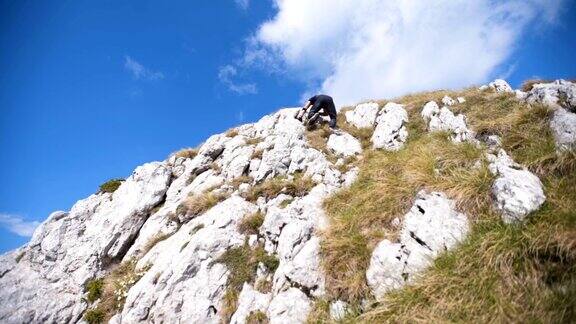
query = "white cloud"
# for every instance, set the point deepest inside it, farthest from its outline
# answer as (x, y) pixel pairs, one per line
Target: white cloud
(18, 225)
(357, 50)
(244, 4)
(140, 72)
(226, 75)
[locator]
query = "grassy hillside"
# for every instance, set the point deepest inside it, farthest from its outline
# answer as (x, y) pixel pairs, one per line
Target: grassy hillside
(502, 273)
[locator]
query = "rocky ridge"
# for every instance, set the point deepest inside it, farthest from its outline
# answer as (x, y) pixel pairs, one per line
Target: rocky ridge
(181, 278)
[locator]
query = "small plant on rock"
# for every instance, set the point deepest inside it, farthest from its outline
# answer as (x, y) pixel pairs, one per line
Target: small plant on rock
(187, 153)
(110, 186)
(232, 132)
(94, 289)
(254, 141)
(242, 262)
(198, 204)
(94, 316)
(257, 317)
(299, 186)
(250, 225)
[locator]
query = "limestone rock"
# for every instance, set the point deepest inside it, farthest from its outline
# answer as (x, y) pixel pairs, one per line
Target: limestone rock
(184, 282)
(557, 94)
(517, 191)
(563, 126)
(290, 306)
(500, 85)
(448, 101)
(344, 144)
(364, 115)
(390, 133)
(68, 249)
(249, 301)
(338, 310)
(442, 119)
(431, 227)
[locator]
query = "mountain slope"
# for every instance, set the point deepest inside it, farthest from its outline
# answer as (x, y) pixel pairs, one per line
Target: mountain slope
(271, 222)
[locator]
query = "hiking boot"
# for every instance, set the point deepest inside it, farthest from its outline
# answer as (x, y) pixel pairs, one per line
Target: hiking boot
(312, 120)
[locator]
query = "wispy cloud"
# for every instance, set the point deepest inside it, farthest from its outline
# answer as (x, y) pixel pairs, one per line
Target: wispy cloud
(139, 71)
(385, 48)
(240, 116)
(244, 4)
(18, 225)
(227, 73)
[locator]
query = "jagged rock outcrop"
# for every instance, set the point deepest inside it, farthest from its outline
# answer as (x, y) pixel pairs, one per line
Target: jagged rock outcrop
(249, 301)
(344, 144)
(517, 191)
(431, 227)
(561, 96)
(498, 85)
(390, 132)
(363, 115)
(46, 282)
(442, 119)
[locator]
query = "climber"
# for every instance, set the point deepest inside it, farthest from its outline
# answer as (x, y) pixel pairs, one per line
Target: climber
(321, 105)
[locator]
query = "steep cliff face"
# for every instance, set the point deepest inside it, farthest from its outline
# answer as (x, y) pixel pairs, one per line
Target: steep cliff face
(234, 230)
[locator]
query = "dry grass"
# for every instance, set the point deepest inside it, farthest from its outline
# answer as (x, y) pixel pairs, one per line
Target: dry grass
(233, 132)
(153, 241)
(257, 317)
(254, 141)
(297, 187)
(187, 153)
(236, 182)
(198, 204)
(257, 154)
(242, 263)
(250, 225)
(318, 138)
(216, 167)
(500, 273)
(111, 292)
(362, 134)
(361, 215)
(529, 84)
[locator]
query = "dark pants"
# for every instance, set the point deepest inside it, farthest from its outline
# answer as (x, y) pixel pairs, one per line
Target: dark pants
(327, 109)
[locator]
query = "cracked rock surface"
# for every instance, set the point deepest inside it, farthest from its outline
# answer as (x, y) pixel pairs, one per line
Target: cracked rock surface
(390, 132)
(517, 191)
(443, 119)
(432, 226)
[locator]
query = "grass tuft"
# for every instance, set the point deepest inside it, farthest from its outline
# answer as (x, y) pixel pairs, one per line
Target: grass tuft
(250, 225)
(242, 263)
(257, 317)
(110, 186)
(94, 289)
(187, 153)
(299, 186)
(198, 204)
(111, 292)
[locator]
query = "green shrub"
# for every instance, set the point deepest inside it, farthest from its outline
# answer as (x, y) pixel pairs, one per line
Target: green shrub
(94, 289)
(94, 316)
(110, 185)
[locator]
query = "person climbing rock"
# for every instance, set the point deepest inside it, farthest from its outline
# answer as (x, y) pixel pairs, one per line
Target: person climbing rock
(321, 105)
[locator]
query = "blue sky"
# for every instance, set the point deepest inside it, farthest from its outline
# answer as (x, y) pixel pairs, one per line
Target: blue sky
(91, 89)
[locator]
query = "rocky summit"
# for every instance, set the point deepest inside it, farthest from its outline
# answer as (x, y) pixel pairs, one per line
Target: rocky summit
(376, 221)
